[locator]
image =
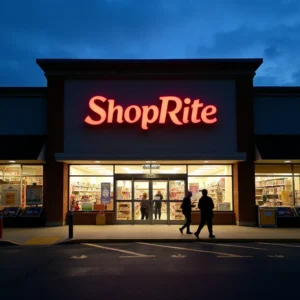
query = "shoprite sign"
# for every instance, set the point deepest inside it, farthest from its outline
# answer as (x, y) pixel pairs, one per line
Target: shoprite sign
(172, 108)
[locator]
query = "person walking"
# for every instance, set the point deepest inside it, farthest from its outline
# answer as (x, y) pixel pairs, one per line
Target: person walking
(206, 205)
(186, 207)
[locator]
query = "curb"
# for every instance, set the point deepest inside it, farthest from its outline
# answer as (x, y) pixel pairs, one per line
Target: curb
(8, 243)
(206, 240)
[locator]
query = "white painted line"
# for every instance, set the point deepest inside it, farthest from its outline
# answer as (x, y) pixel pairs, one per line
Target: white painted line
(178, 256)
(79, 257)
(276, 256)
(235, 246)
(231, 256)
(135, 254)
(284, 245)
(193, 250)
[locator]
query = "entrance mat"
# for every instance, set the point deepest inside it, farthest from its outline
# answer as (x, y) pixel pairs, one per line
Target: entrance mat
(44, 240)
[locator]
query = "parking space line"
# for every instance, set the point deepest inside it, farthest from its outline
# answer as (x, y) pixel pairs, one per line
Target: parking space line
(235, 246)
(284, 245)
(133, 254)
(220, 254)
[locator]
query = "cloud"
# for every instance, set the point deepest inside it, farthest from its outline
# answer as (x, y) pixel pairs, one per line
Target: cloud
(149, 29)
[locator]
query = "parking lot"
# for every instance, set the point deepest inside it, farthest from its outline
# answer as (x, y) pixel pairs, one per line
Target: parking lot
(151, 270)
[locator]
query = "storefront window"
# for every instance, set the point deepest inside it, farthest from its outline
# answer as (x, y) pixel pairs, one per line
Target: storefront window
(21, 185)
(132, 169)
(216, 179)
(86, 192)
(274, 185)
(87, 170)
(297, 185)
(168, 169)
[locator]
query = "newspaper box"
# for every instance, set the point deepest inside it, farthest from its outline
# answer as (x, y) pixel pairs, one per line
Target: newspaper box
(267, 217)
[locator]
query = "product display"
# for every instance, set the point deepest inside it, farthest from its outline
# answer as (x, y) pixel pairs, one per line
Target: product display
(176, 211)
(124, 211)
(270, 191)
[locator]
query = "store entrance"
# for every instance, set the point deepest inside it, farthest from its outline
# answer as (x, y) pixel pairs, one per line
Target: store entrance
(144, 200)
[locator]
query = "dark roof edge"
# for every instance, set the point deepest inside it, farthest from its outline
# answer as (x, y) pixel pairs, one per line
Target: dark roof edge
(271, 91)
(146, 67)
(23, 91)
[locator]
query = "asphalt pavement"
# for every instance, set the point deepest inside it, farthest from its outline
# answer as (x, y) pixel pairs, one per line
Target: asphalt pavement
(150, 271)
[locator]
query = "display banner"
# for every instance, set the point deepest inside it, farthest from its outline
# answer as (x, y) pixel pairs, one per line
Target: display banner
(105, 192)
(10, 195)
(34, 194)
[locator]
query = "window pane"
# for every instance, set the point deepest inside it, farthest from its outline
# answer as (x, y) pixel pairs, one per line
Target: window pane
(124, 211)
(10, 194)
(10, 170)
(124, 190)
(176, 189)
(29, 181)
(86, 191)
(219, 189)
(169, 169)
(206, 170)
(32, 170)
(273, 170)
(141, 188)
(131, 169)
(176, 211)
(274, 191)
(97, 170)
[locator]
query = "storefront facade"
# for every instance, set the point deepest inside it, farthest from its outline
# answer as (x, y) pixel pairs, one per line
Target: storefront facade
(110, 131)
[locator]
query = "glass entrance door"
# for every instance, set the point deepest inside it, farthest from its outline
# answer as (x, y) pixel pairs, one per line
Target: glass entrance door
(149, 201)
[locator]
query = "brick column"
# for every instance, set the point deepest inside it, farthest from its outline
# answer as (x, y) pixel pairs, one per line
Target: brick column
(55, 173)
(243, 172)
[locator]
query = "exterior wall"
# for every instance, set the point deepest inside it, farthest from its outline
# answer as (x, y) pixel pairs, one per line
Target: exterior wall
(181, 142)
(56, 174)
(23, 115)
(277, 115)
(243, 172)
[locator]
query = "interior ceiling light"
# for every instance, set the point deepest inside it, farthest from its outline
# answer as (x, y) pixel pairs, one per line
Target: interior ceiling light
(12, 161)
(97, 161)
(206, 161)
(287, 161)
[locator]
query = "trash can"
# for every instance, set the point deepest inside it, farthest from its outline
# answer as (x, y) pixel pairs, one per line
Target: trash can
(267, 217)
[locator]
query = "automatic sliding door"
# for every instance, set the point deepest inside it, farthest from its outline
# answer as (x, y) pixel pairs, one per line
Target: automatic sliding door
(160, 201)
(176, 194)
(142, 212)
(124, 201)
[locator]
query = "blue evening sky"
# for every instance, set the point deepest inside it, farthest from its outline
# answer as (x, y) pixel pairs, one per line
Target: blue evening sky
(268, 29)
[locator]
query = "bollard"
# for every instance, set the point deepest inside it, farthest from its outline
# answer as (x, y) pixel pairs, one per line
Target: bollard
(1, 224)
(70, 224)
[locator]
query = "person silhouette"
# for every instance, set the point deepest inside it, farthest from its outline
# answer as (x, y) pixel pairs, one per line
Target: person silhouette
(186, 207)
(206, 205)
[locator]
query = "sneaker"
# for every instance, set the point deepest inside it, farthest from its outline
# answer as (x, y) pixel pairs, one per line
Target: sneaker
(196, 235)
(189, 232)
(211, 236)
(181, 230)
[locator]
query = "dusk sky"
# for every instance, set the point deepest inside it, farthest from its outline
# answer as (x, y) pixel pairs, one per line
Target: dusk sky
(268, 29)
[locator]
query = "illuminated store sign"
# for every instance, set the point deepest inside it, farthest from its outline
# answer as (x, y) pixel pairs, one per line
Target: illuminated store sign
(172, 108)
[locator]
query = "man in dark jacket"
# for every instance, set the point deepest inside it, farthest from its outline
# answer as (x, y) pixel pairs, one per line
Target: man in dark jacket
(186, 207)
(206, 205)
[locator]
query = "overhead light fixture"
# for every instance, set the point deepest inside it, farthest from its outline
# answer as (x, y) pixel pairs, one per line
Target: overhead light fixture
(287, 161)
(151, 166)
(12, 161)
(97, 161)
(153, 161)
(148, 162)
(206, 161)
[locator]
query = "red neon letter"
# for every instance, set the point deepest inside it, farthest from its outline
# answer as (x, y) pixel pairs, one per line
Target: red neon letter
(195, 108)
(138, 113)
(172, 114)
(207, 111)
(98, 110)
(186, 110)
(111, 109)
(145, 118)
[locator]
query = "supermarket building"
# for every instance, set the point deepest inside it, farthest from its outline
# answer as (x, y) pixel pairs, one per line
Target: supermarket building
(104, 132)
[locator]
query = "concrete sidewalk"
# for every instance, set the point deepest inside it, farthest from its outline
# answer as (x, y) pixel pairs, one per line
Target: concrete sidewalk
(134, 233)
